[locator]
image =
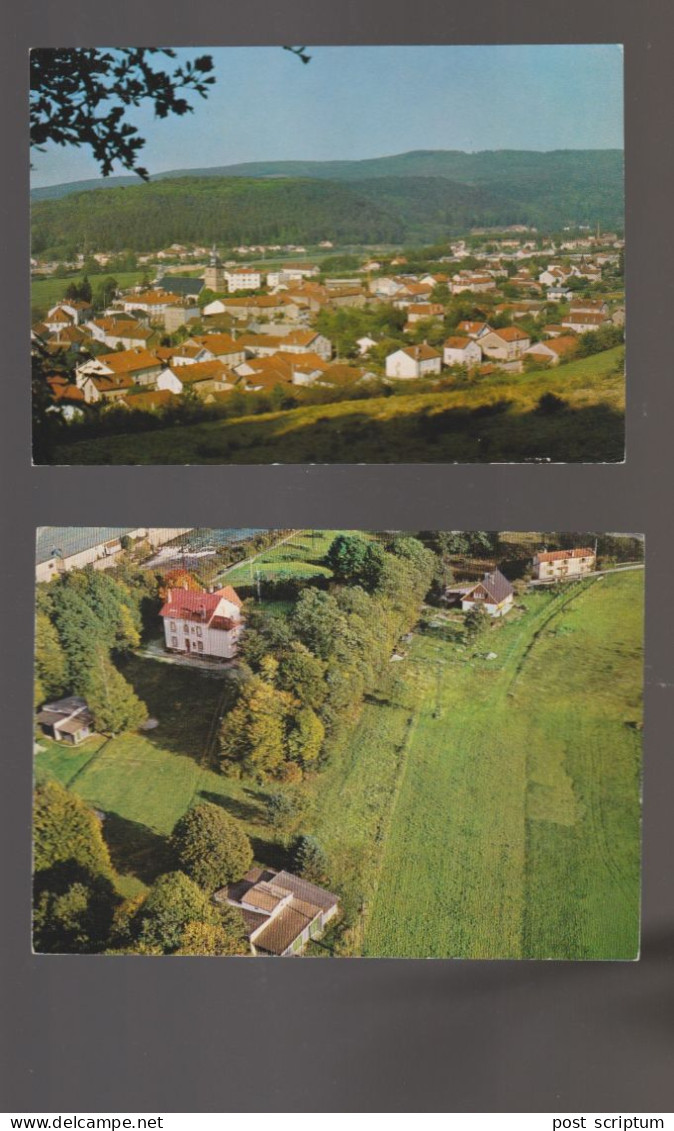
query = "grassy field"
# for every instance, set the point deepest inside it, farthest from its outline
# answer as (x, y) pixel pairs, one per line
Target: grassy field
(494, 420)
(45, 293)
(516, 829)
(300, 556)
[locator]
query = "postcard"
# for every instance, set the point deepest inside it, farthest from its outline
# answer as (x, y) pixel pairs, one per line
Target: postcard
(260, 255)
(338, 743)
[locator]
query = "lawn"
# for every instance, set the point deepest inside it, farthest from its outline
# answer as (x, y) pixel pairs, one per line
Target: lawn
(145, 782)
(494, 420)
(301, 556)
(516, 829)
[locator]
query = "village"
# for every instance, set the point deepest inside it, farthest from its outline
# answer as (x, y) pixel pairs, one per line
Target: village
(250, 628)
(207, 329)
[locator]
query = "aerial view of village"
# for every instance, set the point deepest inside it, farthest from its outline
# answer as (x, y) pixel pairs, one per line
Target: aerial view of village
(262, 255)
(338, 743)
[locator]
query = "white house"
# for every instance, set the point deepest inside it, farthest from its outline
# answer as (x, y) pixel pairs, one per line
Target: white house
(413, 361)
(507, 344)
(553, 351)
(460, 350)
(206, 624)
(365, 344)
(494, 594)
(475, 330)
(557, 565)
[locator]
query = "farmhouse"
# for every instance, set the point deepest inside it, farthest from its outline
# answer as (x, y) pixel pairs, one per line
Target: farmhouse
(413, 361)
(281, 912)
(208, 624)
(556, 565)
(494, 594)
(68, 720)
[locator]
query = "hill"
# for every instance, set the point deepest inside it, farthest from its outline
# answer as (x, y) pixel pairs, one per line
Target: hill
(495, 421)
(396, 199)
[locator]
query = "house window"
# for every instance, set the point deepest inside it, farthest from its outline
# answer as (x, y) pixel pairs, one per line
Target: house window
(200, 646)
(174, 641)
(198, 630)
(173, 626)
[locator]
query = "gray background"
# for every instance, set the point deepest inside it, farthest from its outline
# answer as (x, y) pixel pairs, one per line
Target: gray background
(132, 1034)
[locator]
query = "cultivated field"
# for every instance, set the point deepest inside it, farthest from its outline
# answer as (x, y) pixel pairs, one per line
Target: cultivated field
(495, 419)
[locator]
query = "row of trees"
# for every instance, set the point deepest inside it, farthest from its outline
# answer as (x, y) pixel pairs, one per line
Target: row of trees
(304, 673)
(85, 620)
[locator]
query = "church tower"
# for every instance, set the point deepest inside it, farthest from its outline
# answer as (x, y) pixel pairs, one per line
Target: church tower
(214, 275)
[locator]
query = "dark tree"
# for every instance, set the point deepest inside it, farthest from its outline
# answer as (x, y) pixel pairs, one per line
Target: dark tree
(80, 95)
(211, 847)
(310, 860)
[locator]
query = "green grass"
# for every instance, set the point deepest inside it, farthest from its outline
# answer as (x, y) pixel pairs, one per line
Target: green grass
(493, 420)
(516, 831)
(45, 293)
(301, 557)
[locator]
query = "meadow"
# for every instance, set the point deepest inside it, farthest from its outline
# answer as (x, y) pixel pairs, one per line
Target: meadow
(516, 829)
(299, 556)
(493, 419)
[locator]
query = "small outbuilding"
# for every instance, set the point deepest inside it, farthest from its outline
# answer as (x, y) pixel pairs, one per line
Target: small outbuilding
(68, 720)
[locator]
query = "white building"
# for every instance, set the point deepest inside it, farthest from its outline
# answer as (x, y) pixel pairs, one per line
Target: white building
(460, 350)
(243, 279)
(494, 594)
(557, 565)
(413, 361)
(206, 624)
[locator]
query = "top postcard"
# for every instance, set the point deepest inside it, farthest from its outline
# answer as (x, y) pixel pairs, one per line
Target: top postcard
(327, 255)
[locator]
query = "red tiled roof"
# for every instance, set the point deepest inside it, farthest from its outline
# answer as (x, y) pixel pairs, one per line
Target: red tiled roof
(563, 555)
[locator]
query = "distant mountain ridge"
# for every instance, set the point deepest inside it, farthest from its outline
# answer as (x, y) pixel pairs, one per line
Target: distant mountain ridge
(452, 163)
(406, 199)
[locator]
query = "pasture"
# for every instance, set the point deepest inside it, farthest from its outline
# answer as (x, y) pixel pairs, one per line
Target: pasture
(516, 829)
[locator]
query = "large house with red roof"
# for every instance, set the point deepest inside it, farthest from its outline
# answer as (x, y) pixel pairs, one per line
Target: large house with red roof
(201, 623)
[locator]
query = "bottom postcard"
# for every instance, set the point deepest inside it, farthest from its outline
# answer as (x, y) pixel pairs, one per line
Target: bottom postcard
(338, 743)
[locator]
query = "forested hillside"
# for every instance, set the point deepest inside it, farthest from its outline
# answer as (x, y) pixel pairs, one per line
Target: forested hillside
(392, 200)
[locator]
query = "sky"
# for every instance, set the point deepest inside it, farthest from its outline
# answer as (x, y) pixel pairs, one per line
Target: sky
(358, 102)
